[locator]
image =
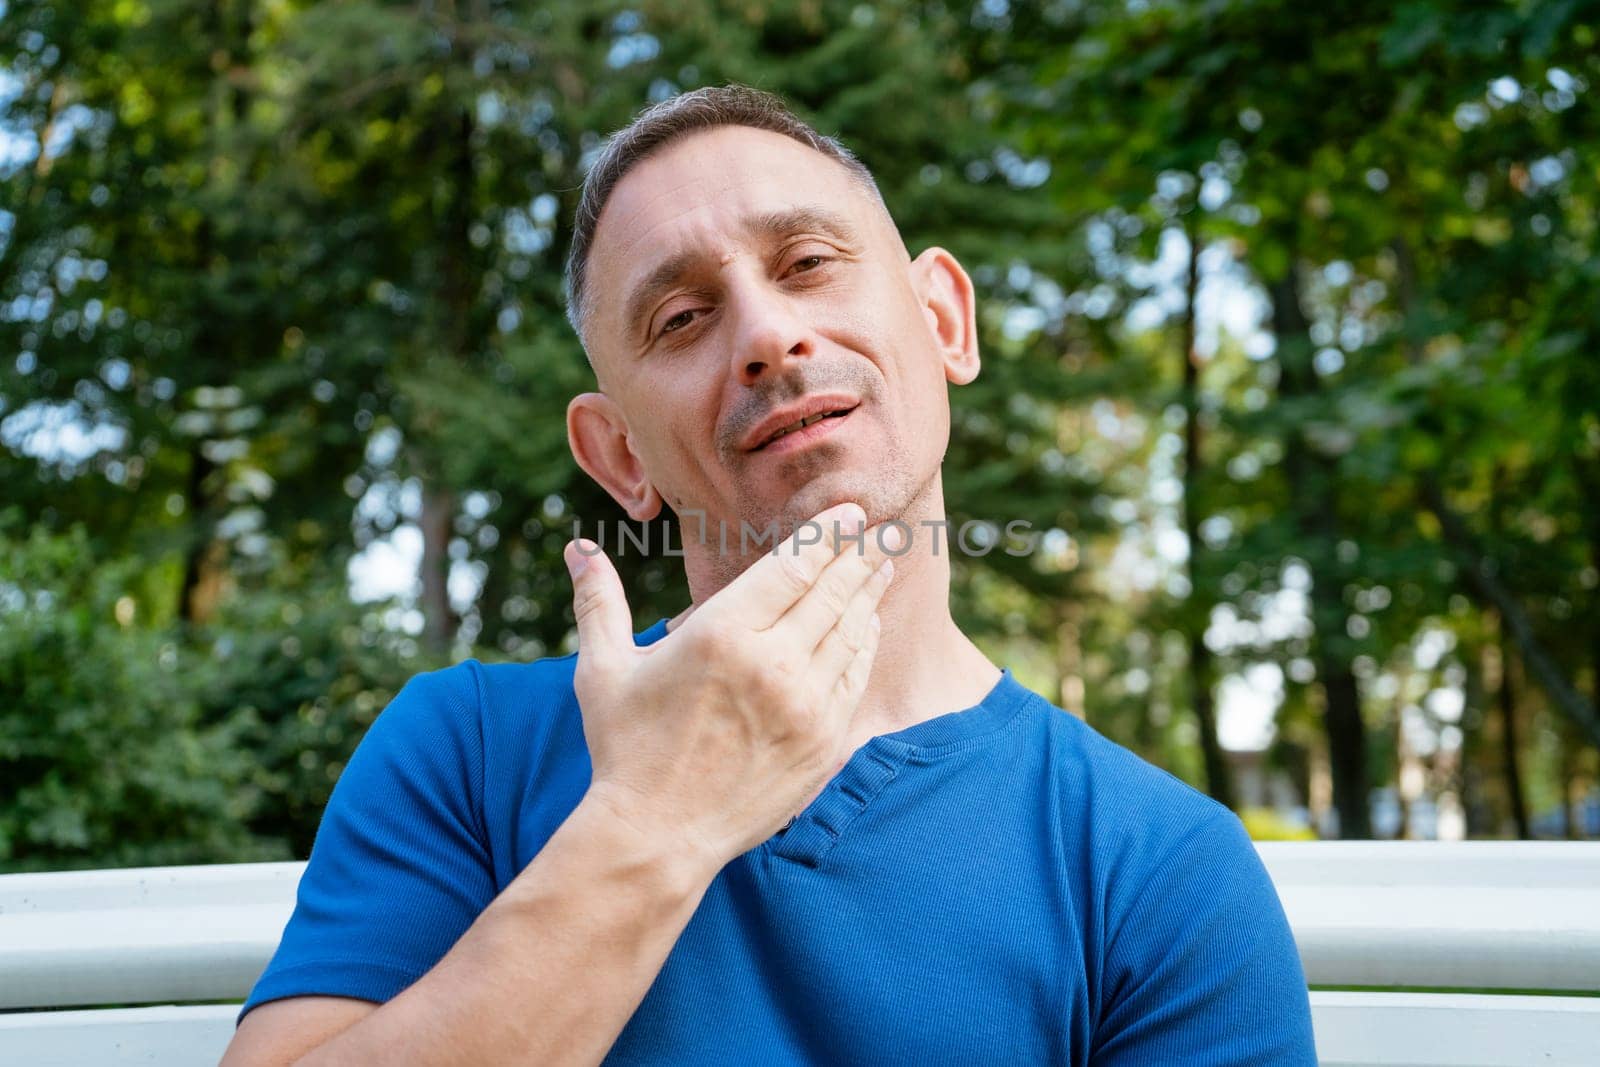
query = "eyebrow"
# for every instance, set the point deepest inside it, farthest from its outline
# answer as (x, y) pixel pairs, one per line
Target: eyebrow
(670, 271)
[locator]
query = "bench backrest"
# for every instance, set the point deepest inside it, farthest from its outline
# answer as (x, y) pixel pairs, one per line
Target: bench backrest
(1417, 952)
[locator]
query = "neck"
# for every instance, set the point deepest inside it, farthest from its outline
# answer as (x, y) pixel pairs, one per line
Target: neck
(925, 665)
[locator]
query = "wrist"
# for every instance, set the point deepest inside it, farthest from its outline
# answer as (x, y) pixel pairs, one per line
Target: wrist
(678, 859)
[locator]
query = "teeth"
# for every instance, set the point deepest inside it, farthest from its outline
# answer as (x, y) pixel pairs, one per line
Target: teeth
(793, 426)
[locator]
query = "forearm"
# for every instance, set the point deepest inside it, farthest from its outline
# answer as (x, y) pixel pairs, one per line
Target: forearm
(553, 969)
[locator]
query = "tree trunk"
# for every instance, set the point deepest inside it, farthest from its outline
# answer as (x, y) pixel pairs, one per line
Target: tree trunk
(192, 606)
(458, 339)
(1507, 696)
(1508, 739)
(1347, 747)
(200, 586)
(1482, 578)
(1567, 775)
(1594, 618)
(1589, 479)
(1470, 759)
(1540, 663)
(1312, 488)
(437, 521)
(1219, 779)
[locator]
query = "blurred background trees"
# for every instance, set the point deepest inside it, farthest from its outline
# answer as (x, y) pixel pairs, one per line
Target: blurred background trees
(1290, 317)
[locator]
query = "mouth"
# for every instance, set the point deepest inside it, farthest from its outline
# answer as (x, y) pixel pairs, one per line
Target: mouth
(823, 418)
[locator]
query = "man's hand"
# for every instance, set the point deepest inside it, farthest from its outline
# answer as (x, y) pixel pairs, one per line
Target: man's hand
(721, 731)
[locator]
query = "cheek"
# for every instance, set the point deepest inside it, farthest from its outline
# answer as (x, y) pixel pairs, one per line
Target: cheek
(677, 418)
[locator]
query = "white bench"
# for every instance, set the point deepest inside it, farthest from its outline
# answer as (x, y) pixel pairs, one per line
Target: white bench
(1508, 917)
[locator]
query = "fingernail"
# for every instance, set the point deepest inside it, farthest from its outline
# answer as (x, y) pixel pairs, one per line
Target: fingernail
(886, 570)
(877, 623)
(894, 538)
(577, 556)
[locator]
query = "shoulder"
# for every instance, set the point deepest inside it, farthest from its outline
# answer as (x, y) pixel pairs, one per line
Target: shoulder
(462, 700)
(471, 728)
(531, 707)
(531, 722)
(482, 747)
(511, 685)
(1118, 795)
(1132, 829)
(1162, 858)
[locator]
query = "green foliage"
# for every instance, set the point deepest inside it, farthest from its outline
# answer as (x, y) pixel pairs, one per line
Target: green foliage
(287, 279)
(124, 742)
(105, 755)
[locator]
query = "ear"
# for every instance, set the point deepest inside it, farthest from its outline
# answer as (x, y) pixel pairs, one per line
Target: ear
(950, 308)
(598, 436)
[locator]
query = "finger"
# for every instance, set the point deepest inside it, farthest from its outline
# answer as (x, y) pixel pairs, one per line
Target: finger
(849, 635)
(760, 596)
(605, 624)
(852, 684)
(821, 607)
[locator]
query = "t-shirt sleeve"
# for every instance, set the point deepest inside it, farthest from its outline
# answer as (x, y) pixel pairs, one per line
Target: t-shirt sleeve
(400, 867)
(1202, 968)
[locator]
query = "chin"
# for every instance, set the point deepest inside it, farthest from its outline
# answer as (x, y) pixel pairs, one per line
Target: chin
(839, 487)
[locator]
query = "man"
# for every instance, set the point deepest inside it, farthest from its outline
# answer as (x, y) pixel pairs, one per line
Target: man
(808, 822)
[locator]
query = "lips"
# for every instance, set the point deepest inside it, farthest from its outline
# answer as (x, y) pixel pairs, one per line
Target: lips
(795, 417)
(802, 424)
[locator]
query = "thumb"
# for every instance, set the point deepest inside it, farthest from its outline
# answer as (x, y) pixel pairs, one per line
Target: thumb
(605, 624)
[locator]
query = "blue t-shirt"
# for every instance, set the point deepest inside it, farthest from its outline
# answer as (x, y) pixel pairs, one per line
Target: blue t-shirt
(999, 884)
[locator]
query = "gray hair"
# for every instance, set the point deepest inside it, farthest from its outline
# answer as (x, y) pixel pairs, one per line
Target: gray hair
(660, 125)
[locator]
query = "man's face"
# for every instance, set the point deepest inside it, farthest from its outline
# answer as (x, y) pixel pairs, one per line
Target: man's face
(741, 282)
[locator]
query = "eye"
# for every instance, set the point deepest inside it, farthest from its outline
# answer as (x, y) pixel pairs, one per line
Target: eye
(678, 321)
(805, 263)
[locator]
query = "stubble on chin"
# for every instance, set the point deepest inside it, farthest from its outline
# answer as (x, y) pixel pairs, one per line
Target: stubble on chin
(885, 494)
(883, 484)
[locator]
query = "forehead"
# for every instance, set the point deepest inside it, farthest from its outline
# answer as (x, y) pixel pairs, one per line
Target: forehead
(692, 196)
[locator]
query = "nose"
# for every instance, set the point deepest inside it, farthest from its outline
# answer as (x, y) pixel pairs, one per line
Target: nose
(770, 334)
